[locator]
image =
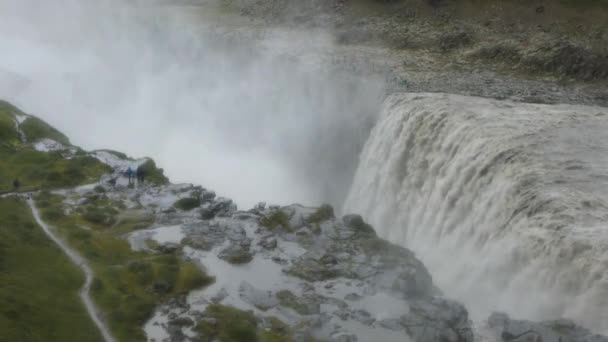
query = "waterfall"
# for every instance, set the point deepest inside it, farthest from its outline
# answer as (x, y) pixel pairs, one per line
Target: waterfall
(505, 202)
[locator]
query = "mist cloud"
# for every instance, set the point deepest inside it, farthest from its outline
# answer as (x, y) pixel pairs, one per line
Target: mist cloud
(253, 113)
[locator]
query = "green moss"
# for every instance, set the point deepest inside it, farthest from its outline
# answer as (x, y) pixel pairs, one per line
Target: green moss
(8, 132)
(38, 284)
(99, 216)
(277, 219)
(36, 129)
(288, 299)
(44, 170)
(154, 174)
(278, 332)
(129, 284)
(232, 325)
(187, 203)
(240, 258)
(323, 213)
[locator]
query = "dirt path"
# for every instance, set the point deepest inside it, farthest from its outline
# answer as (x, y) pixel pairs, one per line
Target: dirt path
(80, 262)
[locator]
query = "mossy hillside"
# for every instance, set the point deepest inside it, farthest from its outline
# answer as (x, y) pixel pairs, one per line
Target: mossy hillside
(49, 170)
(46, 170)
(38, 283)
(128, 284)
(8, 131)
(36, 129)
(234, 325)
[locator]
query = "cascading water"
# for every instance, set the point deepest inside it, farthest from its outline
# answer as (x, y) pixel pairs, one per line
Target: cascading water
(506, 203)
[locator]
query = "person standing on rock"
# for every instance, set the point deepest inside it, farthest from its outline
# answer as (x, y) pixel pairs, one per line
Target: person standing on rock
(140, 175)
(129, 174)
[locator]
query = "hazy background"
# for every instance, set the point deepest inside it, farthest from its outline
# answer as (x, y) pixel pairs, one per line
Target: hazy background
(252, 113)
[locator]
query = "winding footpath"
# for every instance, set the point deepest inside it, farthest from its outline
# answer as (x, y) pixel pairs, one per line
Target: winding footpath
(94, 313)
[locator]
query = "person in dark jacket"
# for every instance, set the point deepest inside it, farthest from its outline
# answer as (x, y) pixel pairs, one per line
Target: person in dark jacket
(16, 184)
(140, 175)
(129, 174)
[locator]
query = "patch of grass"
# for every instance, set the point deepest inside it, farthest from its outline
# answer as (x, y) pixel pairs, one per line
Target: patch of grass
(8, 132)
(288, 299)
(234, 325)
(36, 129)
(240, 258)
(103, 216)
(36, 169)
(187, 203)
(154, 174)
(128, 285)
(38, 284)
(46, 170)
(323, 213)
(277, 219)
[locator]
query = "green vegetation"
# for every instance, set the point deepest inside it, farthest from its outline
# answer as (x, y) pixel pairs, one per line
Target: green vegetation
(288, 299)
(277, 219)
(234, 325)
(323, 213)
(38, 284)
(8, 132)
(46, 170)
(239, 258)
(154, 174)
(37, 169)
(187, 203)
(357, 224)
(36, 129)
(128, 284)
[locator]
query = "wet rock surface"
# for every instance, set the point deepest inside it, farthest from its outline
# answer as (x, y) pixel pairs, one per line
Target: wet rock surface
(324, 277)
(563, 330)
(321, 277)
(299, 272)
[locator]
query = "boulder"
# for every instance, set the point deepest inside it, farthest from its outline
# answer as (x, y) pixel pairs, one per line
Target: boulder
(562, 330)
(438, 319)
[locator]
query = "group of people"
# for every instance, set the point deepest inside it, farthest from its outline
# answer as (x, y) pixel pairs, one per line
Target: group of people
(139, 173)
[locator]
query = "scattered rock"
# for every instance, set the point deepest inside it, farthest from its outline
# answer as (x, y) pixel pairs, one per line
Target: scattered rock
(261, 299)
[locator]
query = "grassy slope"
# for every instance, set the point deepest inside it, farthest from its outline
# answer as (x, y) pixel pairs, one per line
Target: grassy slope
(128, 284)
(38, 284)
(39, 169)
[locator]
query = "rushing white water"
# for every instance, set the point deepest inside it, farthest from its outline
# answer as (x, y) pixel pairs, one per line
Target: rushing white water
(506, 203)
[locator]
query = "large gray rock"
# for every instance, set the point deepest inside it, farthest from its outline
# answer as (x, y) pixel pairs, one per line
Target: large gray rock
(511, 330)
(261, 299)
(438, 319)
